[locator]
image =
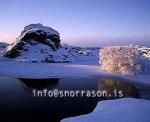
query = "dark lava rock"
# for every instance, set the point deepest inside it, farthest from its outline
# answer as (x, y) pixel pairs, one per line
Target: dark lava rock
(33, 34)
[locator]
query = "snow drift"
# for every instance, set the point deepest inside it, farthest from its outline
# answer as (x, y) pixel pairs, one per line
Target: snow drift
(123, 59)
(120, 110)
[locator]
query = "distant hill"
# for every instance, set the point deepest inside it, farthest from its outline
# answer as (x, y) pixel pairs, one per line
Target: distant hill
(3, 45)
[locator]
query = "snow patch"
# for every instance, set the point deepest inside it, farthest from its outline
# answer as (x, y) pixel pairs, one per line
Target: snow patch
(35, 27)
(120, 110)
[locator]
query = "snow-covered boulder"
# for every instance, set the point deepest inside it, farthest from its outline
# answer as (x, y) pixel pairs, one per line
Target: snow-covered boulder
(41, 34)
(38, 43)
(120, 110)
(122, 59)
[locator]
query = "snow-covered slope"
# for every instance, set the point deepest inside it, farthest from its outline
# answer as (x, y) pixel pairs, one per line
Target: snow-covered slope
(33, 52)
(120, 110)
(41, 44)
(3, 46)
(59, 70)
(43, 53)
(38, 43)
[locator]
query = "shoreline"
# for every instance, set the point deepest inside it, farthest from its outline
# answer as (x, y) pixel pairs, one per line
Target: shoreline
(16, 69)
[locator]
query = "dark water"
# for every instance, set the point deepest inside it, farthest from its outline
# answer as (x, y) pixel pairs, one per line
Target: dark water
(18, 104)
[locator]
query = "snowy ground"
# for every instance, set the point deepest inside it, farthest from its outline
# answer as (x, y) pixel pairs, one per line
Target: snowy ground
(85, 63)
(121, 110)
(50, 70)
(82, 63)
(85, 66)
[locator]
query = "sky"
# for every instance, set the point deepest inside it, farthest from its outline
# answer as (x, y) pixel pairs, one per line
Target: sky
(79, 22)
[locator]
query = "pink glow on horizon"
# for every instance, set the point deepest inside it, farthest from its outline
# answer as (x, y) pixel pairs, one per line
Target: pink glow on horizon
(7, 38)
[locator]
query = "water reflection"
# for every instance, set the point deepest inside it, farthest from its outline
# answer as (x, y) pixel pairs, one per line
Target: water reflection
(115, 88)
(21, 104)
(30, 84)
(118, 88)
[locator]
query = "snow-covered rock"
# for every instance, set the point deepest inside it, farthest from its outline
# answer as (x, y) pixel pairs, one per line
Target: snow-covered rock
(43, 53)
(34, 27)
(3, 45)
(145, 51)
(120, 110)
(38, 43)
(123, 59)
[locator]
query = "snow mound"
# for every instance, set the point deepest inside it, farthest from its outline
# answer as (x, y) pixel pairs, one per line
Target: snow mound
(120, 110)
(40, 33)
(123, 60)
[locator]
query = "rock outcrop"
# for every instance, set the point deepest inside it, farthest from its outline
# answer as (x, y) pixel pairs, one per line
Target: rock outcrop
(38, 43)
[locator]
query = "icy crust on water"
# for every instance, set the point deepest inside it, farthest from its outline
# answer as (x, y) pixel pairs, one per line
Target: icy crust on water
(120, 110)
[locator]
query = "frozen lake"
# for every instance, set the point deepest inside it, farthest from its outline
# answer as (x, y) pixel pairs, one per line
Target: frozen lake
(18, 102)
